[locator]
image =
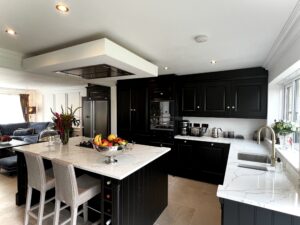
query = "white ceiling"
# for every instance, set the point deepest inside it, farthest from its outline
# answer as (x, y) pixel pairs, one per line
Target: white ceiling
(241, 33)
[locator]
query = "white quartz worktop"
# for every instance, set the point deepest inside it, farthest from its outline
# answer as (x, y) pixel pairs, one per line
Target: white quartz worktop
(266, 189)
(93, 161)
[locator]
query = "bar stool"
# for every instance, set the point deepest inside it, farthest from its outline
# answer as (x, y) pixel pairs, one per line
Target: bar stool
(72, 191)
(41, 180)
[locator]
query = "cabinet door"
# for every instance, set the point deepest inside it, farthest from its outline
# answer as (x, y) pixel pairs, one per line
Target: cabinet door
(190, 104)
(139, 110)
(214, 160)
(123, 112)
(249, 99)
(184, 158)
(216, 98)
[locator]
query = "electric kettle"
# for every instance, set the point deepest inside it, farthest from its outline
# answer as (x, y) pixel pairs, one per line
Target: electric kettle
(215, 132)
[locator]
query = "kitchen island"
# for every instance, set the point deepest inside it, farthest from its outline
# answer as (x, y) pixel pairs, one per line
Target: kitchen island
(134, 190)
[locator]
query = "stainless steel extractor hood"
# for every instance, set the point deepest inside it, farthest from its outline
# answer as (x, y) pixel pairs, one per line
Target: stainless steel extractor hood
(100, 60)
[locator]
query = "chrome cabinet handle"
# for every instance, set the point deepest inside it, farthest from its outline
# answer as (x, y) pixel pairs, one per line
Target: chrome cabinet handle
(212, 144)
(232, 107)
(161, 93)
(228, 107)
(198, 107)
(185, 141)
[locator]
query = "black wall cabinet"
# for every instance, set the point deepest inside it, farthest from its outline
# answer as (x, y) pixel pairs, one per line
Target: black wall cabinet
(204, 161)
(224, 94)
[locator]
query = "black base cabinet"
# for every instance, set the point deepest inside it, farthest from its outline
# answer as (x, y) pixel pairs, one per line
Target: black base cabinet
(236, 213)
(205, 161)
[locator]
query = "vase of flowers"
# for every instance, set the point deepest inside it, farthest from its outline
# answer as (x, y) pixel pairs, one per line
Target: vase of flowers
(64, 121)
(284, 129)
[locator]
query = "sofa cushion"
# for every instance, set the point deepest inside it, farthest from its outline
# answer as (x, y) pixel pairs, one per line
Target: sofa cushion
(23, 132)
(8, 129)
(38, 126)
(9, 163)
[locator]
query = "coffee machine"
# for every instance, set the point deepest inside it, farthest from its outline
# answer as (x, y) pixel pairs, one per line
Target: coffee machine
(184, 127)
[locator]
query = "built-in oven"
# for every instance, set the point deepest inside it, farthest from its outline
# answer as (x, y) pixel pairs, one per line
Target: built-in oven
(162, 114)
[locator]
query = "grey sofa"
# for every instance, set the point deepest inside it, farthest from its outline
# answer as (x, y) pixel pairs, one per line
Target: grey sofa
(28, 131)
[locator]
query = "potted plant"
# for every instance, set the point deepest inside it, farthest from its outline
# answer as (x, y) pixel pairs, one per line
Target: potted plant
(283, 128)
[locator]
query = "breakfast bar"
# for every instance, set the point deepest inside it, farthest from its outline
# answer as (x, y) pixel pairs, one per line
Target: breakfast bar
(133, 191)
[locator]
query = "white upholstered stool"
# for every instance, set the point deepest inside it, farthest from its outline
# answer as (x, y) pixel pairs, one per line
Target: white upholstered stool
(41, 180)
(72, 191)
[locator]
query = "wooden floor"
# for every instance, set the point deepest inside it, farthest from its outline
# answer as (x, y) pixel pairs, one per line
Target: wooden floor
(190, 203)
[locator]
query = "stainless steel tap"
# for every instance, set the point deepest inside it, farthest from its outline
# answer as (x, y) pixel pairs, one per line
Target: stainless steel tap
(273, 156)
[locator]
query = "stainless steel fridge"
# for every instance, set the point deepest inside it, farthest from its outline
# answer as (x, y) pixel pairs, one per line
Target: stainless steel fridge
(95, 114)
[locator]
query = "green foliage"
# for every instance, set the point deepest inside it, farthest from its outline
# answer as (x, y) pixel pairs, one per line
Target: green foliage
(284, 127)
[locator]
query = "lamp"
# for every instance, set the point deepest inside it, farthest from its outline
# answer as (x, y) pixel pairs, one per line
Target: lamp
(31, 110)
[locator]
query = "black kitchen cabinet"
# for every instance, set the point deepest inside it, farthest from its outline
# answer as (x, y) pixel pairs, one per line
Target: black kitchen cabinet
(185, 150)
(205, 161)
(249, 98)
(214, 159)
(216, 98)
(132, 111)
(97, 92)
(236, 213)
(225, 94)
(190, 99)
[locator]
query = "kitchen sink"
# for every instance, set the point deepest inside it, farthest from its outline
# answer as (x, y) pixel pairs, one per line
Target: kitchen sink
(254, 157)
(263, 168)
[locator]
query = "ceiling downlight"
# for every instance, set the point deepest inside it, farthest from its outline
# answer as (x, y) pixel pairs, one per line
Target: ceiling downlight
(62, 8)
(10, 32)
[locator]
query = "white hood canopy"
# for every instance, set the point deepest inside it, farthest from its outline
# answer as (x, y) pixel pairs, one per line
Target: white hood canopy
(100, 60)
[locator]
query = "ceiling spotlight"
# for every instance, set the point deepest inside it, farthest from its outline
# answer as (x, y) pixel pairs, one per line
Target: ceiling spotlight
(11, 32)
(201, 38)
(62, 8)
(213, 61)
(166, 68)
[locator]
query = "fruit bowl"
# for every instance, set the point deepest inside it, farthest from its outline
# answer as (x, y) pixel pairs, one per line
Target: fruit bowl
(109, 147)
(4, 140)
(110, 152)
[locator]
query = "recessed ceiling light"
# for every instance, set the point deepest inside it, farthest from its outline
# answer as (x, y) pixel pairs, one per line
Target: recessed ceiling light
(166, 68)
(62, 8)
(213, 61)
(11, 32)
(201, 38)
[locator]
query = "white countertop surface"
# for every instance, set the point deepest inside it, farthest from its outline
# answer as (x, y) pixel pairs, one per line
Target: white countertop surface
(266, 189)
(93, 161)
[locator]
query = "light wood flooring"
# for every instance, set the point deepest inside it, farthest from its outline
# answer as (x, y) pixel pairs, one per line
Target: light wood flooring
(190, 203)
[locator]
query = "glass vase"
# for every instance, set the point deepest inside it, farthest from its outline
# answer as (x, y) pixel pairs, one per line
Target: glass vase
(65, 137)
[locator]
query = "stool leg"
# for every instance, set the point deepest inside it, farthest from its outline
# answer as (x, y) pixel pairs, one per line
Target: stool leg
(41, 208)
(85, 212)
(56, 213)
(28, 203)
(74, 211)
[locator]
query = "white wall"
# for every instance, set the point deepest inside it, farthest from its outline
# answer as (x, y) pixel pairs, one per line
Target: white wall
(244, 127)
(285, 52)
(54, 98)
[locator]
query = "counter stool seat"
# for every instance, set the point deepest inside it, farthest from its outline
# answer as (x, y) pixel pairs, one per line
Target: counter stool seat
(41, 180)
(72, 191)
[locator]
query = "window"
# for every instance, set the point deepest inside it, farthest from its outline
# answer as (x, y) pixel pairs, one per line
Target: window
(10, 110)
(292, 104)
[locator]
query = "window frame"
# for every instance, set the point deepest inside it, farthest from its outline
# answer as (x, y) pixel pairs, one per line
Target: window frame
(291, 83)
